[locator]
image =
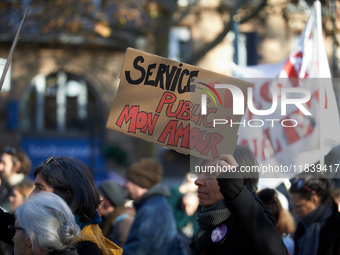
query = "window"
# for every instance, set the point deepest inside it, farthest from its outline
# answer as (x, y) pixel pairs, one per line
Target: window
(62, 102)
(179, 43)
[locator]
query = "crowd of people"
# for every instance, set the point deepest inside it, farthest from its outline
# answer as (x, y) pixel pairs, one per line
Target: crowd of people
(57, 208)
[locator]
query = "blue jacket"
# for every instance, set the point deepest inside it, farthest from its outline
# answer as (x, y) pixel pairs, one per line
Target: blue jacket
(153, 231)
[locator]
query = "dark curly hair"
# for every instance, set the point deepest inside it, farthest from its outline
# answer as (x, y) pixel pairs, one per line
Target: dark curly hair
(72, 181)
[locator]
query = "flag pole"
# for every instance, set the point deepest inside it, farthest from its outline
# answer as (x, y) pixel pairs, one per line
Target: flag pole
(322, 92)
(14, 44)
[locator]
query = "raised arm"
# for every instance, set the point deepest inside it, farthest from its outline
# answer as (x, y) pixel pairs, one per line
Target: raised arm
(249, 214)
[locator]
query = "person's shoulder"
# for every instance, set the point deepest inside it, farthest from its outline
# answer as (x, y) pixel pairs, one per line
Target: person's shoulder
(87, 248)
(155, 199)
(158, 201)
(155, 206)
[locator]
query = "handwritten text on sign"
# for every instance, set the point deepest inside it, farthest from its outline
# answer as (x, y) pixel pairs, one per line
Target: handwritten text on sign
(159, 101)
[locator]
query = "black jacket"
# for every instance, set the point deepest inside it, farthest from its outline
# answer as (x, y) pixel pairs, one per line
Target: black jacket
(70, 252)
(6, 219)
(250, 230)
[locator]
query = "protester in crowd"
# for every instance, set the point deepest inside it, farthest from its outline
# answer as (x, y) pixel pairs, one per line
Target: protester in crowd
(117, 217)
(20, 193)
(153, 230)
(285, 224)
(72, 181)
(26, 163)
(15, 167)
(12, 172)
(231, 218)
(45, 225)
(335, 194)
(188, 224)
(183, 202)
(318, 230)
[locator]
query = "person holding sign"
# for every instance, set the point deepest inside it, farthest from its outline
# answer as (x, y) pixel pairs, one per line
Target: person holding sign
(230, 216)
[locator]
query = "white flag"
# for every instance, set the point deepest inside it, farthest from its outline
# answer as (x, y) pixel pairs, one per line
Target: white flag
(288, 137)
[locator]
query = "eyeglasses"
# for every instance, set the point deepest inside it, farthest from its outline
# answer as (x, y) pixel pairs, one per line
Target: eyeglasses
(51, 158)
(300, 185)
(12, 230)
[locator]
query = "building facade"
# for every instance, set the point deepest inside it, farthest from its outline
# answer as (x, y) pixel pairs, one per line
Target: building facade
(61, 93)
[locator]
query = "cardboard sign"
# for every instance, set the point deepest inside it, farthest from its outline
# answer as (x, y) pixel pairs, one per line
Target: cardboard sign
(159, 100)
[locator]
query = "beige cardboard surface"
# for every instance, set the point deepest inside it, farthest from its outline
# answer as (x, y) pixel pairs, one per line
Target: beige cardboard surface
(154, 103)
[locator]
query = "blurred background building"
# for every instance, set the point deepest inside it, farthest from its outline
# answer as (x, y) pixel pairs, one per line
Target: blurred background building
(66, 66)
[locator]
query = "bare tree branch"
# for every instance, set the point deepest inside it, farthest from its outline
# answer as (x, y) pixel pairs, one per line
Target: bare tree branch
(183, 15)
(254, 12)
(200, 53)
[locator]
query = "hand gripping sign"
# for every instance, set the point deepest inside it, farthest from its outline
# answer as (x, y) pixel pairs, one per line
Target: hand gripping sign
(159, 100)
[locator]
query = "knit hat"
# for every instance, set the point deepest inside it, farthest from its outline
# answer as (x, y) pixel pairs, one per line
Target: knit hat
(145, 173)
(113, 192)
